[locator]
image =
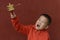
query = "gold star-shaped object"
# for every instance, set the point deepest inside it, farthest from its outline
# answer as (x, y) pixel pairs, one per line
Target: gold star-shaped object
(10, 7)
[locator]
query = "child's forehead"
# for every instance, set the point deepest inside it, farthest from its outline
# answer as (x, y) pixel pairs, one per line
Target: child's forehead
(43, 18)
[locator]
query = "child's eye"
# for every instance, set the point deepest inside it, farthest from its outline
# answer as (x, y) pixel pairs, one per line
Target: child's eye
(43, 22)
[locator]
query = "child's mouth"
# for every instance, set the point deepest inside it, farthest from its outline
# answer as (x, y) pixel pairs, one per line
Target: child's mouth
(38, 25)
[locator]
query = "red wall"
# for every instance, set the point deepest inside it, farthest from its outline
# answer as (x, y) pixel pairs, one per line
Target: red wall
(28, 12)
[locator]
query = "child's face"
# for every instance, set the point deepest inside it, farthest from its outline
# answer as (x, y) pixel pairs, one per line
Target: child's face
(41, 23)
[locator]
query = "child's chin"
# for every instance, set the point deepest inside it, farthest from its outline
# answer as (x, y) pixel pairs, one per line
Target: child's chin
(39, 29)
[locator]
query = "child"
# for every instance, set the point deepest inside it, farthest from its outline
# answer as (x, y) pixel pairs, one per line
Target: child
(34, 32)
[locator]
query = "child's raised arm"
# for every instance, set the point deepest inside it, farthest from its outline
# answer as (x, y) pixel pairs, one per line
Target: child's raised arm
(15, 21)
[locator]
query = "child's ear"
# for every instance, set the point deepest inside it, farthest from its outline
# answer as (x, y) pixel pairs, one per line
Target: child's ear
(46, 27)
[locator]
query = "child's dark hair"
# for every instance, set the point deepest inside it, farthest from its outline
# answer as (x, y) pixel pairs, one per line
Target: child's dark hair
(48, 17)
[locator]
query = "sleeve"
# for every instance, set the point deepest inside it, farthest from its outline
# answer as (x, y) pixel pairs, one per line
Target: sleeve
(20, 27)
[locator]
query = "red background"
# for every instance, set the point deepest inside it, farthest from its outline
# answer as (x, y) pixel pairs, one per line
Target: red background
(28, 12)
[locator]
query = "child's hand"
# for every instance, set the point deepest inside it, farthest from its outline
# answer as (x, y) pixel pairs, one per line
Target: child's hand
(10, 7)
